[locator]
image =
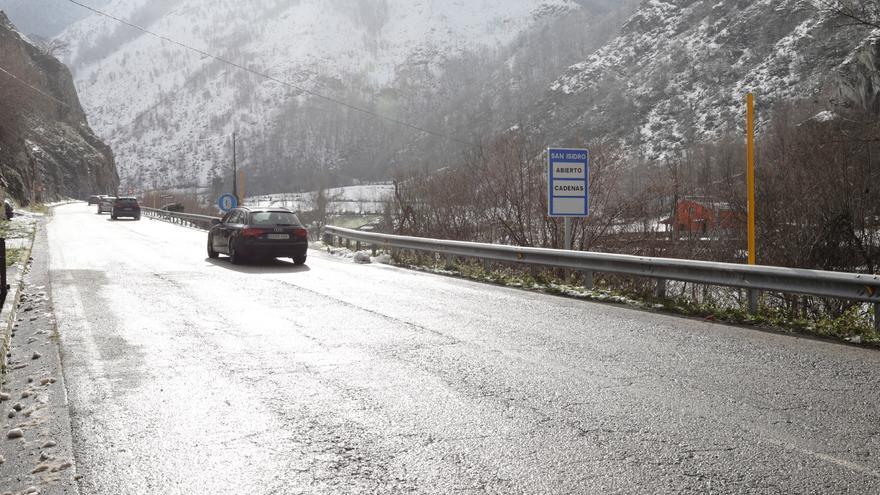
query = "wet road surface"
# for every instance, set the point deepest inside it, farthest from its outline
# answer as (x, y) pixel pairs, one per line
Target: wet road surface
(193, 376)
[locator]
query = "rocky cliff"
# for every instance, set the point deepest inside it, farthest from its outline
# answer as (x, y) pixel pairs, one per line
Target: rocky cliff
(47, 150)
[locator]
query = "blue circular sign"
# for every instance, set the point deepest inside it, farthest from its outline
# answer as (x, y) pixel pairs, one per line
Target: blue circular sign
(227, 202)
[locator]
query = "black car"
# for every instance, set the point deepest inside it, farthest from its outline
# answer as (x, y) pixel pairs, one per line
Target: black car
(249, 232)
(174, 207)
(125, 207)
(94, 199)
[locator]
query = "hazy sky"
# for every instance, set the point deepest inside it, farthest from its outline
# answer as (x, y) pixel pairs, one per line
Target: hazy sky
(46, 18)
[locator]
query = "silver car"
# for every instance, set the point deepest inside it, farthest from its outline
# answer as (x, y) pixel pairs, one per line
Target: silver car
(105, 204)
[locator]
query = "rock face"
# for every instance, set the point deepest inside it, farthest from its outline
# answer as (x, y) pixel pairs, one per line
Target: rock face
(47, 150)
(679, 72)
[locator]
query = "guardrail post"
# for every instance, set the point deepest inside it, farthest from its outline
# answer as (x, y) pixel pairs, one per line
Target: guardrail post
(4, 287)
(753, 301)
(660, 290)
(876, 316)
(588, 280)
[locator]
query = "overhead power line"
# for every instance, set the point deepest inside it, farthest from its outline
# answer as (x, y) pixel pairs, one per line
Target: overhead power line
(282, 82)
(38, 90)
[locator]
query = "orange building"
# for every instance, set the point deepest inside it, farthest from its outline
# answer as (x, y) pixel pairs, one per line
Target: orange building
(701, 217)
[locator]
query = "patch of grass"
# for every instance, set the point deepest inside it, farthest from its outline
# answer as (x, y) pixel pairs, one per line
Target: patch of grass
(14, 255)
(38, 208)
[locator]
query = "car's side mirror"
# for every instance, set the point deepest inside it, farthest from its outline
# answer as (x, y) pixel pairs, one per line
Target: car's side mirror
(215, 221)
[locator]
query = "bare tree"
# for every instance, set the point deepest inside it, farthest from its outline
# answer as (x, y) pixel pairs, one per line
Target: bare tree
(864, 13)
(53, 47)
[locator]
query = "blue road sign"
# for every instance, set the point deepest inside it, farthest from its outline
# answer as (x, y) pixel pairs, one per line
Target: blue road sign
(227, 202)
(568, 180)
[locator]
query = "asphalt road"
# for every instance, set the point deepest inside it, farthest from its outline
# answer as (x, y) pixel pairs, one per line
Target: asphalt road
(192, 376)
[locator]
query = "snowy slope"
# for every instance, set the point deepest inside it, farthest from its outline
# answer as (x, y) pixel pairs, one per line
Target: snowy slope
(166, 111)
(680, 70)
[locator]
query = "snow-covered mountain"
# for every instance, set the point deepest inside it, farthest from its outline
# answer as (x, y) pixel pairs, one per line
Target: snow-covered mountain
(169, 112)
(679, 72)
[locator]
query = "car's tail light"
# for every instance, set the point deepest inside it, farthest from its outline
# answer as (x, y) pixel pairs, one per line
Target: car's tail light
(301, 233)
(249, 232)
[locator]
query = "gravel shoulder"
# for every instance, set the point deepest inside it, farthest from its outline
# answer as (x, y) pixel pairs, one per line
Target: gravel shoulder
(36, 454)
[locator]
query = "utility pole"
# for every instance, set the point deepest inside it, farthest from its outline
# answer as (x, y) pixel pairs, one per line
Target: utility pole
(750, 174)
(234, 171)
(750, 185)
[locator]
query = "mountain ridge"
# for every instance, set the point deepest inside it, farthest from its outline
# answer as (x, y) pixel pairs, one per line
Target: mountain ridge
(147, 98)
(684, 68)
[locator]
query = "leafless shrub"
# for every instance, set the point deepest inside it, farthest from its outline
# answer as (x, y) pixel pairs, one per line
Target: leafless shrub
(500, 196)
(818, 201)
(53, 47)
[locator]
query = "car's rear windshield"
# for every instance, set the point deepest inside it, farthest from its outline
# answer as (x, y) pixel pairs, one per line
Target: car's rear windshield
(126, 200)
(273, 218)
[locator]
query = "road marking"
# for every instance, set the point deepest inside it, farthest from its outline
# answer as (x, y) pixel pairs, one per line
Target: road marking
(827, 458)
(71, 316)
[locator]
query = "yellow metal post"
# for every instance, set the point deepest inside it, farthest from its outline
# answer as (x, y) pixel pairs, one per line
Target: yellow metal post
(750, 184)
(750, 152)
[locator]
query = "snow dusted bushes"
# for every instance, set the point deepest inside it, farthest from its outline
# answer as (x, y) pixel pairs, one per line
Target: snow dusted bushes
(819, 198)
(819, 191)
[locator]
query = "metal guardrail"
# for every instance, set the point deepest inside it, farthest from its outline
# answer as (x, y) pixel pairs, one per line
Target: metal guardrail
(851, 286)
(863, 288)
(189, 219)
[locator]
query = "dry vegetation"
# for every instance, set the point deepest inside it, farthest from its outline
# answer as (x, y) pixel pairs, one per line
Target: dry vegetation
(818, 201)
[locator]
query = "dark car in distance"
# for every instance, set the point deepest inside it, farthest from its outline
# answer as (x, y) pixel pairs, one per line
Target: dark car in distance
(125, 207)
(174, 207)
(94, 199)
(249, 232)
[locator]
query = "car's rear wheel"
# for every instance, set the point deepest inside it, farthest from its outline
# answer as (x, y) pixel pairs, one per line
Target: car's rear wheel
(112, 217)
(299, 260)
(211, 253)
(234, 257)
